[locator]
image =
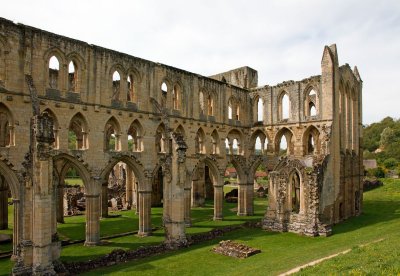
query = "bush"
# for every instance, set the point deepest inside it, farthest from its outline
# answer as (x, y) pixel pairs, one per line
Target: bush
(378, 172)
(390, 163)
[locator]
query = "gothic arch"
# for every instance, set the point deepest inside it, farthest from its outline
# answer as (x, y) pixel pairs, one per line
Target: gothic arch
(12, 179)
(75, 78)
(311, 141)
(79, 166)
(180, 129)
(79, 126)
(136, 131)
(7, 132)
(200, 141)
(283, 109)
(56, 126)
(112, 127)
(215, 142)
(311, 100)
(289, 140)
(264, 140)
(132, 162)
(160, 139)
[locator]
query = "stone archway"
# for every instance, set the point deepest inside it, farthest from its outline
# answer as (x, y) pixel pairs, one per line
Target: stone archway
(9, 182)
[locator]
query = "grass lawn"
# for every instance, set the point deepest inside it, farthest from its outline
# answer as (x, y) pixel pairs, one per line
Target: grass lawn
(8, 246)
(284, 251)
(280, 251)
(74, 181)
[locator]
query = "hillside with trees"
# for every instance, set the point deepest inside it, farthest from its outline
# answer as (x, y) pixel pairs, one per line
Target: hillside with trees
(382, 142)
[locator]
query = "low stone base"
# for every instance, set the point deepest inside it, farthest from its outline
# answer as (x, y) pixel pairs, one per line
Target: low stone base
(233, 249)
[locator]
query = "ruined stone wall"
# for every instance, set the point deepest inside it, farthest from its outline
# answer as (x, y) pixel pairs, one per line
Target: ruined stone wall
(155, 105)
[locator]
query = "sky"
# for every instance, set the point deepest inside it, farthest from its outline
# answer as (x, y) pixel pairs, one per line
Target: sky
(282, 39)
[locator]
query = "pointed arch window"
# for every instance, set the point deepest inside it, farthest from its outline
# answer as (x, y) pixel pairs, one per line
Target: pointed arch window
(72, 77)
(54, 68)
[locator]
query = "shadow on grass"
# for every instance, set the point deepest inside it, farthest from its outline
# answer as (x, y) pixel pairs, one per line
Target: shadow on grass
(375, 212)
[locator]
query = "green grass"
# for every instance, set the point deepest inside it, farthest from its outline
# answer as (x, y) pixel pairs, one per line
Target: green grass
(8, 246)
(74, 181)
(280, 251)
(283, 251)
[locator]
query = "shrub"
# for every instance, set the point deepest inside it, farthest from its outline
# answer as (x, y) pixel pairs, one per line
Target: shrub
(378, 172)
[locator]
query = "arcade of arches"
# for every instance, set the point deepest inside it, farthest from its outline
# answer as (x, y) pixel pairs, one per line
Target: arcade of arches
(68, 106)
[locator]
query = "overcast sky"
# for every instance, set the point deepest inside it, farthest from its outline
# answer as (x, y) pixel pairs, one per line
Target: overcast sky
(282, 39)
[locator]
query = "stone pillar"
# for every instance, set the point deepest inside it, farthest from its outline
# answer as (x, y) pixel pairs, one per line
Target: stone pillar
(3, 204)
(245, 199)
(198, 187)
(104, 200)
(187, 194)
(92, 219)
(144, 213)
(60, 203)
(129, 186)
(16, 229)
(218, 201)
(174, 170)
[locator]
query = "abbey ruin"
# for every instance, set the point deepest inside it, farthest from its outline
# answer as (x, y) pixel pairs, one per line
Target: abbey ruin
(175, 132)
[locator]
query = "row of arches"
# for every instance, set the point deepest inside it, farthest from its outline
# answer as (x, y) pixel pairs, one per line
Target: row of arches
(311, 105)
(78, 132)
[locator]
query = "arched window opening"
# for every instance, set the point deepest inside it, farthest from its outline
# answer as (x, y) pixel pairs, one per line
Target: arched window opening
(164, 88)
(201, 102)
(235, 146)
(130, 94)
(72, 77)
(228, 146)
(77, 133)
(54, 67)
(285, 107)
(6, 128)
(215, 142)
(210, 104)
(310, 144)
(312, 109)
(55, 128)
(258, 149)
(134, 138)
(200, 142)
(160, 139)
(230, 110)
(260, 110)
(238, 112)
(295, 193)
(312, 92)
(111, 136)
(116, 85)
(176, 97)
(283, 146)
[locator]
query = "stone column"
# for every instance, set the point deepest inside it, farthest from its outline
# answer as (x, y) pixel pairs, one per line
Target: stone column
(144, 213)
(174, 170)
(104, 200)
(44, 244)
(129, 186)
(218, 201)
(3, 204)
(16, 229)
(187, 194)
(245, 199)
(60, 203)
(92, 219)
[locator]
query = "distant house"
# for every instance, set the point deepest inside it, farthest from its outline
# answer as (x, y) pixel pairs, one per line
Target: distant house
(370, 164)
(261, 174)
(230, 172)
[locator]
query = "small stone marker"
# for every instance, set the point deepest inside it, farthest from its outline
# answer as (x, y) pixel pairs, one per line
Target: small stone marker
(5, 238)
(233, 249)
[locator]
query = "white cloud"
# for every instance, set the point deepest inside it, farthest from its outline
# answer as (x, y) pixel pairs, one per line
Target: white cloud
(283, 39)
